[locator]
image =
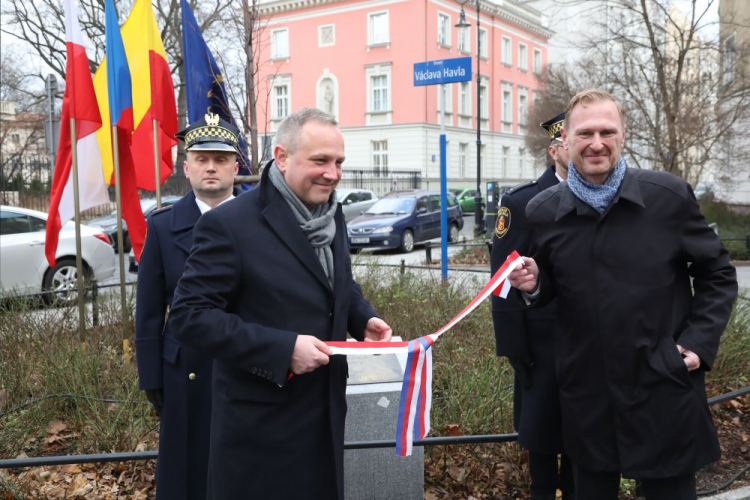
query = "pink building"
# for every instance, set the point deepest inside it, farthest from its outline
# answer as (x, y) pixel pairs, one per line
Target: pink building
(355, 59)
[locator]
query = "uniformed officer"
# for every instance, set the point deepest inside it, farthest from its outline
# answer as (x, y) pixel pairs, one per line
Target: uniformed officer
(525, 337)
(176, 378)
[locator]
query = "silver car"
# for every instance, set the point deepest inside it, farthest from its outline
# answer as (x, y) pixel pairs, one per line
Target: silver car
(23, 266)
(355, 201)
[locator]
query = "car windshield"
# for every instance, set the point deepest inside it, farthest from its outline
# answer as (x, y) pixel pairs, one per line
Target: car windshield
(392, 206)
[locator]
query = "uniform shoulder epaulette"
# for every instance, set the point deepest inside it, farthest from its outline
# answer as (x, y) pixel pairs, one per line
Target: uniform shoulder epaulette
(519, 187)
(162, 210)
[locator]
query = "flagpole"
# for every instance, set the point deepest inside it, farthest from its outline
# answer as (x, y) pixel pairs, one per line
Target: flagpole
(156, 166)
(120, 247)
(77, 218)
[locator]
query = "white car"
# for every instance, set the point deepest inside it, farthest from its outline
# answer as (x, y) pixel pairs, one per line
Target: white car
(355, 201)
(23, 265)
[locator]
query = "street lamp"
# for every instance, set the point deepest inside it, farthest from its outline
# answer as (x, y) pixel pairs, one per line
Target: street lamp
(478, 218)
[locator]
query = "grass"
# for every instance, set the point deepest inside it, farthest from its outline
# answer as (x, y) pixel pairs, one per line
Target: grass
(42, 356)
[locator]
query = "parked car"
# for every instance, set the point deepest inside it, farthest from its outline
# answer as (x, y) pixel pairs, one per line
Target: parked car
(23, 265)
(355, 201)
(402, 218)
(108, 223)
(465, 197)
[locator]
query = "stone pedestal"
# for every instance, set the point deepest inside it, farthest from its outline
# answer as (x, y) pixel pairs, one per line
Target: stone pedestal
(373, 395)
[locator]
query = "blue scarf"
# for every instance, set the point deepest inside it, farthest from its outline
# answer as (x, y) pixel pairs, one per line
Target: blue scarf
(598, 196)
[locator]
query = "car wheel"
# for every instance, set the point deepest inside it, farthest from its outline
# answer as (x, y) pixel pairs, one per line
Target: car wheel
(407, 241)
(63, 280)
(453, 233)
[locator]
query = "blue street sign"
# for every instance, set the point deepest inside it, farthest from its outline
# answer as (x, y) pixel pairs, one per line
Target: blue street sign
(457, 69)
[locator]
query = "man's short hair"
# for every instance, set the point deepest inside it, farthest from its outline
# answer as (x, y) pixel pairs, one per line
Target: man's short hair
(291, 128)
(589, 96)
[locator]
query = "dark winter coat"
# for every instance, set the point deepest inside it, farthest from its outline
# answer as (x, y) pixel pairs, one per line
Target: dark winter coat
(182, 373)
(623, 286)
(527, 333)
(252, 284)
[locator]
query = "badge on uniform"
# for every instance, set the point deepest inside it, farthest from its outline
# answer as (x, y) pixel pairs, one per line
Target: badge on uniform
(502, 223)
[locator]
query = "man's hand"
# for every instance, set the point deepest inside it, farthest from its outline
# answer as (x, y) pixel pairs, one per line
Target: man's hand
(309, 353)
(156, 398)
(522, 367)
(692, 361)
(377, 330)
(525, 276)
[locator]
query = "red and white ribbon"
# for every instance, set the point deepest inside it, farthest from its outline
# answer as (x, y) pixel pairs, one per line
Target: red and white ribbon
(416, 390)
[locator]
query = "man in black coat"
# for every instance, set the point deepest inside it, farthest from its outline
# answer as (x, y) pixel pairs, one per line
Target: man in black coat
(526, 337)
(618, 247)
(177, 378)
(268, 281)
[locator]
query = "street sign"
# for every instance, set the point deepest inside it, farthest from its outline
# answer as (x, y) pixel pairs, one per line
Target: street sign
(457, 69)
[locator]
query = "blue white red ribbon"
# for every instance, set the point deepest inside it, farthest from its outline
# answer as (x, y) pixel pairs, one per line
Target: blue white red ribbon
(416, 390)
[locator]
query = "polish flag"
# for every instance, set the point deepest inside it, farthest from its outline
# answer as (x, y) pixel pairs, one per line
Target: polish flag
(79, 102)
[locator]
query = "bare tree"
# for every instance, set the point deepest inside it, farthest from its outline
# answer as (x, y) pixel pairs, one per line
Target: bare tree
(661, 60)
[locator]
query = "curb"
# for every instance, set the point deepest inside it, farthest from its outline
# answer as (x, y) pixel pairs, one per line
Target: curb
(740, 494)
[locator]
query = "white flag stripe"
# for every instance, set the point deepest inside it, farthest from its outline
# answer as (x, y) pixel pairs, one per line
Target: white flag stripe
(72, 28)
(91, 187)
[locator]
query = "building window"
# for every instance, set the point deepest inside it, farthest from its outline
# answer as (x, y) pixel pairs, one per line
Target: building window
(378, 30)
(523, 106)
(483, 43)
(281, 97)
(523, 58)
(730, 60)
(464, 39)
(464, 102)
(507, 105)
(521, 154)
(444, 29)
(463, 149)
(380, 93)
(326, 35)
(380, 157)
(483, 101)
(537, 61)
(507, 51)
(445, 99)
(506, 154)
(280, 44)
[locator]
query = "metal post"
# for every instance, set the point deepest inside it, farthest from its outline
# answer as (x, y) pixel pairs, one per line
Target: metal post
(403, 266)
(478, 223)
(120, 248)
(443, 190)
(77, 218)
(94, 303)
(156, 167)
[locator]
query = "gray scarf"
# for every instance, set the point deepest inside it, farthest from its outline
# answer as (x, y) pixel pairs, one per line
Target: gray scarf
(597, 196)
(318, 224)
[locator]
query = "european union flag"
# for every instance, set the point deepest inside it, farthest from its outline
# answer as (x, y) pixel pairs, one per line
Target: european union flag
(203, 81)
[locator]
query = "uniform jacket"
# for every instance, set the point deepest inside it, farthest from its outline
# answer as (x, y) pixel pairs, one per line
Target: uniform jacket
(252, 284)
(527, 333)
(623, 287)
(183, 373)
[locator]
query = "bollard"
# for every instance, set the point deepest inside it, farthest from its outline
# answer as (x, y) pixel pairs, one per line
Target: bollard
(94, 303)
(428, 252)
(403, 266)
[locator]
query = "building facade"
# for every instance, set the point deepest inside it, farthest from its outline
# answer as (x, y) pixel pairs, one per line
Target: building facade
(355, 59)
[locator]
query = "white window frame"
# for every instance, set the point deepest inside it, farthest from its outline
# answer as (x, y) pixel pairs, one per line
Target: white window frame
(444, 32)
(729, 60)
(371, 40)
(506, 114)
(537, 62)
(504, 161)
(320, 35)
(464, 99)
(464, 40)
(483, 40)
(380, 156)
(447, 106)
(276, 83)
(523, 57)
(275, 54)
(381, 116)
(484, 100)
(507, 51)
(521, 154)
(523, 106)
